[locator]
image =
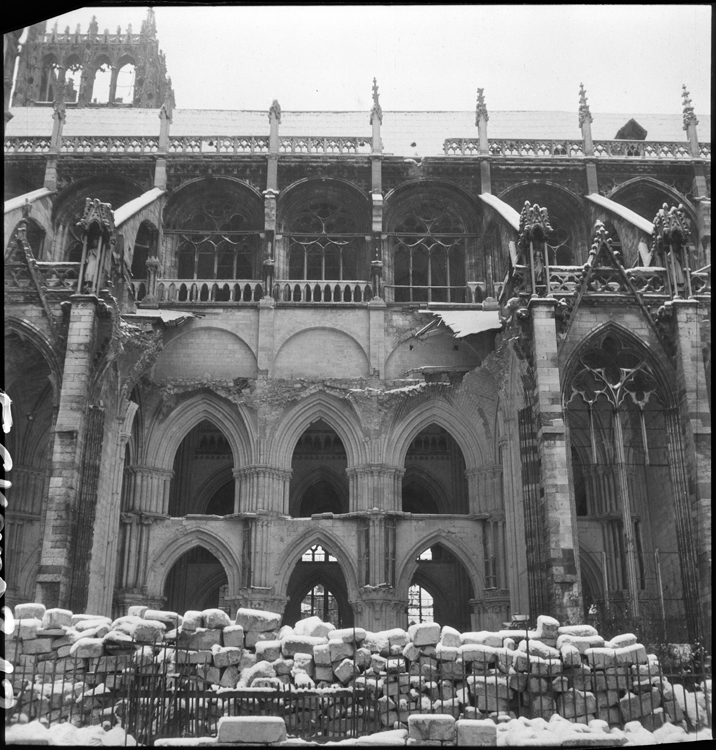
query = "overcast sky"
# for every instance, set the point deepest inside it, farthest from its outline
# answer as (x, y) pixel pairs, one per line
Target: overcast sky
(632, 59)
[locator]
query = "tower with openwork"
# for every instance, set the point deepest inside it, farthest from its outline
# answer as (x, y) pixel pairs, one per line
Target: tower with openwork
(332, 363)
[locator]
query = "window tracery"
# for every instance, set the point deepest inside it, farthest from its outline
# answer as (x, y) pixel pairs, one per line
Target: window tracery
(324, 244)
(429, 254)
(215, 241)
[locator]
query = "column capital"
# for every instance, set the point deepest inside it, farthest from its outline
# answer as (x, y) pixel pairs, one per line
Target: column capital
(375, 470)
(151, 471)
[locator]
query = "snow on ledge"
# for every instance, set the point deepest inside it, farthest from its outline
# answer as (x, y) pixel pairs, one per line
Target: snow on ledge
(508, 213)
(622, 211)
(125, 212)
(31, 197)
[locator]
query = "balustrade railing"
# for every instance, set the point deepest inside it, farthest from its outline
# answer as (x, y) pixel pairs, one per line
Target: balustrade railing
(70, 38)
(642, 149)
(208, 290)
(649, 280)
(324, 145)
(27, 145)
(109, 145)
(322, 291)
(59, 277)
(574, 148)
(229, 144)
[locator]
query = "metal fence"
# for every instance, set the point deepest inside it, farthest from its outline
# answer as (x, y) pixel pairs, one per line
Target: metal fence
(166, 691)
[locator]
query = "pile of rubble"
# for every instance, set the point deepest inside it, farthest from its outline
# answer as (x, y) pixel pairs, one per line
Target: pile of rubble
(78, 663)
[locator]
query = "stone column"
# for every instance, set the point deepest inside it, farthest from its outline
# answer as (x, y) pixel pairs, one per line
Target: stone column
(149, 490)
(695, 418)
(481, 118)
(56, 562)
(150, 298)
(375, 486)
(262, 488)
(483, 484)
(564, 591)
(491, 611)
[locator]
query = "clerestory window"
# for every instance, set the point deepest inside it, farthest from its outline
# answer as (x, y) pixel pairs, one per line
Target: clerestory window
(324, 244)
(429, 254)
(216, 242)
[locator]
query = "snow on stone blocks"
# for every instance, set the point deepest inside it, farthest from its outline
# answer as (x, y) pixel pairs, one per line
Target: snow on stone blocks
(251, 730)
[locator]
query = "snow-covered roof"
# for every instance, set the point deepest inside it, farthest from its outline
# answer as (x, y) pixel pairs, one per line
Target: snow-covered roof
(403, 133)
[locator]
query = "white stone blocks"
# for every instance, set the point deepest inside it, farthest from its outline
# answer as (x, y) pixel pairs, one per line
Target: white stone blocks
(257, 620)
(431, 727)
(251, 730)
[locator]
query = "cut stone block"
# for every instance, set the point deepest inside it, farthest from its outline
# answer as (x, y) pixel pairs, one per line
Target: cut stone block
(573, 703)
(582, 643)
(395, 636)
(37, 646)
(30, 611)
(257, 620)
(348, 635)
(268, 650)
(252, 637)
(251, 730)
(56, 618)
(547, 627)
(87, 648)
(446, 653)
(300, 644)
(148, 631)
(226, 656)
(233, 635)
(621, 641)
(431, 727)
(424, 633)
(193, 620)
(482, 638)
(345, 671)
(339, 650)
(583, 631)
(27, 628)
(450, 637)
(216, 618)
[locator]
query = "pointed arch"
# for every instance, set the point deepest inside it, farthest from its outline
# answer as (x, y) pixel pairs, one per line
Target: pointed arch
(320, 474)
(465, 555)
(166, 436)
(183, 538)
(331, 543)
(657, 363)
(668, 192)
(28, 332)
(439, 412)
(337, 413)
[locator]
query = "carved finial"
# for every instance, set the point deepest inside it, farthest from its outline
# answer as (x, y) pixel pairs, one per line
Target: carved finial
(534, 223)
(275, 111)
(584, 114)
(481, 109)
(78, 30)
(149, 25)
(601, 238)
(26, 209)
(54, 29)
(376, 110)
(119, 30)
(671, 224)
(93, 27)
(689, 116)
(167, 109)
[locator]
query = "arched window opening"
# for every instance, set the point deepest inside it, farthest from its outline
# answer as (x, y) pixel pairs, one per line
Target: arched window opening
(124, 91)
(49, 79)
(27, 383)
(429, 253)
(145, 246)
(197, 580)
(202, 456)
(324, 244)
(440, 589)
(420, 605)
(317, 554)
(434, 480)
(319, 483)
(73, 78)
(320, 602)
(317, 587)
(102, 84)
(216, 240)
(623, 463)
